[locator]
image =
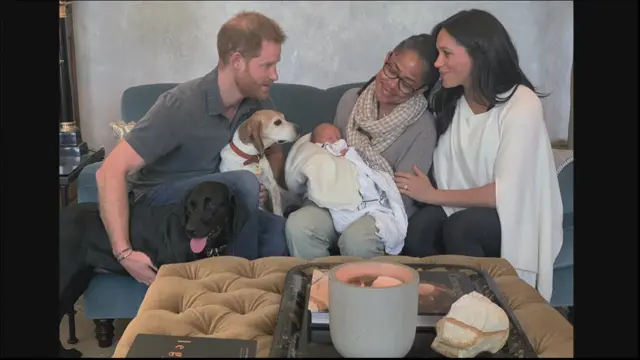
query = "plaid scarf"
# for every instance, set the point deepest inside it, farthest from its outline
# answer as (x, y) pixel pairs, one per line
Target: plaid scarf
(384, 132)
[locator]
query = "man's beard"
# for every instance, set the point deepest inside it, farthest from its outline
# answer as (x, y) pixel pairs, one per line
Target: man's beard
(250, 87)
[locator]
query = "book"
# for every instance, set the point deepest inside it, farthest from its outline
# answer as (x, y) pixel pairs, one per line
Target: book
(438, 291)
(167, 346)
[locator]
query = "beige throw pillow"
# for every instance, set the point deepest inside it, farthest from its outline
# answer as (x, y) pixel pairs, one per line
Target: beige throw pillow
(120, 128)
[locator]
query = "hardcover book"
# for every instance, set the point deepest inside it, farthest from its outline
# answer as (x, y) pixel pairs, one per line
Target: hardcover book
(167, 346)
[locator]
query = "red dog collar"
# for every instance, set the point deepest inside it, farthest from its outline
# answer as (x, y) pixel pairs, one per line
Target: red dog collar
(251, 159)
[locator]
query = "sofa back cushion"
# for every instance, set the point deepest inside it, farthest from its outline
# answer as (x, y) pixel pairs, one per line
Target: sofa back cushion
(300, 104)
(137, 100)
(306, 106)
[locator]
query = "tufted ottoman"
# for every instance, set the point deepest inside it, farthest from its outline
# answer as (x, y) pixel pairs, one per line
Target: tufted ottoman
(230, 297)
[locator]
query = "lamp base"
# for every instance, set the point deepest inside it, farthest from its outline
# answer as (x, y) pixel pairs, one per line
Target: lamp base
(74, 151)
(69, 134)
(70, 138)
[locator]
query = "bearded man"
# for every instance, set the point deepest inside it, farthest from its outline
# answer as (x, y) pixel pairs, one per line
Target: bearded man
(177, 144)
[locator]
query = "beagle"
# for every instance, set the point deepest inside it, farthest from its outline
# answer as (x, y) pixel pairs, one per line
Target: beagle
(247, 147)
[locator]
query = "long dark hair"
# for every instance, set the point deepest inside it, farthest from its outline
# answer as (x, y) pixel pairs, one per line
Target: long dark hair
(495, 69)
(423, 45)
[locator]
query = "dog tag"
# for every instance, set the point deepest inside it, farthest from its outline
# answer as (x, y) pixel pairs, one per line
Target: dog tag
(258, 170)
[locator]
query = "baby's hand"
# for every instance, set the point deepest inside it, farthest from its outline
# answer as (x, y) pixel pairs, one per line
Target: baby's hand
(344, 151)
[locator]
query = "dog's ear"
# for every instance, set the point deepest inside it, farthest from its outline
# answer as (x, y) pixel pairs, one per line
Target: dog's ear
(255, 128)
(251, 131)
(185, 203)
(187, 196)
(240, 215)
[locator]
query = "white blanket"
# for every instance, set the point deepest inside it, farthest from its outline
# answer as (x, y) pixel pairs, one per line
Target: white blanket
(311, 169)
(328, 181)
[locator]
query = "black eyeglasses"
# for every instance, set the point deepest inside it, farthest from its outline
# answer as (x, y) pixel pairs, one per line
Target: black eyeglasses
(391, 73)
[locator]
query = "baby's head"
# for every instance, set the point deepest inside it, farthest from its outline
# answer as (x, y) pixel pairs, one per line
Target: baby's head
(325, 133)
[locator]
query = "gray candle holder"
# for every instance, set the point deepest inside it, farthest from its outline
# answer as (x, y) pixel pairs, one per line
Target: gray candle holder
(369, 321)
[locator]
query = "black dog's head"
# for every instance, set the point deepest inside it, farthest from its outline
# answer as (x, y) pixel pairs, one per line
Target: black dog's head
(213, 217)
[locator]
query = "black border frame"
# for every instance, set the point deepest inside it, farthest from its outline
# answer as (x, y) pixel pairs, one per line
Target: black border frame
(606, 195)
(605, 100)
(30, 104)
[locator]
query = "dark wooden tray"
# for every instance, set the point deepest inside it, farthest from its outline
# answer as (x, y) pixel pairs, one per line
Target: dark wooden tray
(295, 337)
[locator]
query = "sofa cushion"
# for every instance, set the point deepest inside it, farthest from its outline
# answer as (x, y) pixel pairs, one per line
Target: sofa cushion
(100, 302)
(562, 287)
(307, 106)
(304, 105)
(137, 100)
(565, 179)
(230, 297)
(87, 186)
(564, 168)
(333, 96)
(301, 104)
(565, 257)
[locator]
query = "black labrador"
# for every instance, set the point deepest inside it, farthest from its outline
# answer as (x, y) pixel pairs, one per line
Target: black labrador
(204, 224)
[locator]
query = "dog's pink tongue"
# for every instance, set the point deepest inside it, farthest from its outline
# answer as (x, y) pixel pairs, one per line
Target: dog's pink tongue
(198, 244)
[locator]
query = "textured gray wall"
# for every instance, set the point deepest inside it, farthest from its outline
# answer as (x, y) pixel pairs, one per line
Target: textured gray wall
(122, 44)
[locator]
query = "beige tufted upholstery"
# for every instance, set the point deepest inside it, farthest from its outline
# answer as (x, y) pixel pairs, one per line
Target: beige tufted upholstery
(230, 297)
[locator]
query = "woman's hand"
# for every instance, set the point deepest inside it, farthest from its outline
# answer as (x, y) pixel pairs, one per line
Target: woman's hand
(417, 187)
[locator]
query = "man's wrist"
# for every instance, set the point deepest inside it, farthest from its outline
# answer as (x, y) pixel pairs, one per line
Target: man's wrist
(123, 254)
(120, 249)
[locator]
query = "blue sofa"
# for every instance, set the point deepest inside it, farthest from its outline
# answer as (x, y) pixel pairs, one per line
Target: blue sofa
(111, 296)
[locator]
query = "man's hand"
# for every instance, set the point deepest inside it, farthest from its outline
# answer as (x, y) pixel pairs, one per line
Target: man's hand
(140, 267)
(264, 194)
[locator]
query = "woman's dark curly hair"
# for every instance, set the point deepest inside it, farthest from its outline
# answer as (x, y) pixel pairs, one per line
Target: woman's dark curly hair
(495, 68)
(423, 45)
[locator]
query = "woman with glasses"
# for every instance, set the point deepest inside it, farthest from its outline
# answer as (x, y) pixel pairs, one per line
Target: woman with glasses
(388, 124)
(497, 190)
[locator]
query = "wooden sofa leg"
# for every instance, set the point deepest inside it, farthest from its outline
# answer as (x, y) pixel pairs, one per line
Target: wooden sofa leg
(71, 315)
(105, 332)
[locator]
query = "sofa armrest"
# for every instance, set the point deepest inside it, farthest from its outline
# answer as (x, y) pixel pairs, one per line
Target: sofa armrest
(564, 169)
(87, 186)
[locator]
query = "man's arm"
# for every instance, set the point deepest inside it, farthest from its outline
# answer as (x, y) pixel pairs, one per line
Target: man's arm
(155, 135)
(112, 193)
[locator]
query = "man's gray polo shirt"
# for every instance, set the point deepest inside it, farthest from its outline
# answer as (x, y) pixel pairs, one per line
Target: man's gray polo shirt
(181, 136)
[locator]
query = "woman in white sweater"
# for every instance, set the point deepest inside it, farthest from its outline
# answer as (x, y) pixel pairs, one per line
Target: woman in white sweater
(494, 190)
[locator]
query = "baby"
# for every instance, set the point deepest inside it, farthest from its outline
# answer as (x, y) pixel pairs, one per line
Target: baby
(386, 209)
(344, 184)
(328, 136)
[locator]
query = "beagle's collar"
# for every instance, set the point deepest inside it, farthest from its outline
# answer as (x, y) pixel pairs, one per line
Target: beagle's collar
(250, 159)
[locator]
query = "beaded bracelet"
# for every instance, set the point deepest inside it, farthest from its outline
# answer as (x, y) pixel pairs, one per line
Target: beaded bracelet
(123, 254)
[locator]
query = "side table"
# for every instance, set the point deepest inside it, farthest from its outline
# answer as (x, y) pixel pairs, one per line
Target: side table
(70, 167)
